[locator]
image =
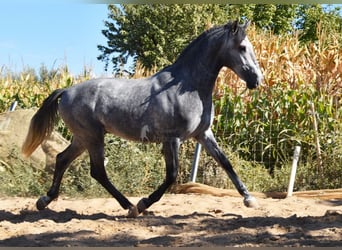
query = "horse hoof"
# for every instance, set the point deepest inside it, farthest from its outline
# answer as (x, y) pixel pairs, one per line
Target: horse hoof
(250, 201)
(141, 206)
(42, 202)
(133, 212)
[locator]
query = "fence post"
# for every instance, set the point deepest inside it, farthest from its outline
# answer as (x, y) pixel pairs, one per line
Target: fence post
(293, 170)
(5, 123)
(195, 162)
(13, 106)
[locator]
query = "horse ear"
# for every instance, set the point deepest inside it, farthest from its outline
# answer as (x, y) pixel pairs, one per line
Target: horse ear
(235, 26)
(247, 23)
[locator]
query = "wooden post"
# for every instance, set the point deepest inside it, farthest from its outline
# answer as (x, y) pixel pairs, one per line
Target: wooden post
(293, 171)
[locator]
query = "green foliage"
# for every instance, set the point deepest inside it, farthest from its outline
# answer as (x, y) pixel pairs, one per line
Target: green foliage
(29, 89)
(18, 177)
(265, 127)
(250, 172)
(309, 15)
(257, 129)
(135, 168)
(155, 34)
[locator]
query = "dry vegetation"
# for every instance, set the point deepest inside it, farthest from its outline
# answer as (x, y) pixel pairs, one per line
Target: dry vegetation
(257, 129)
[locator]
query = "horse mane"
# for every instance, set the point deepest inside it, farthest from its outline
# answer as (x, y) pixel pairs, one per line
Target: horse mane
(213, 32)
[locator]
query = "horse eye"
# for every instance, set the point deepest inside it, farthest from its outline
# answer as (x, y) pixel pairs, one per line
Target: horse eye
(242, 48)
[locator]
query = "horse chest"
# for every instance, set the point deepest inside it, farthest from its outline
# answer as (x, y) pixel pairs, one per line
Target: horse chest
(187, 116)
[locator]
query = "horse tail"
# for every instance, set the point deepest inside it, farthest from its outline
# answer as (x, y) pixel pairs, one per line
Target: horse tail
(42, 123)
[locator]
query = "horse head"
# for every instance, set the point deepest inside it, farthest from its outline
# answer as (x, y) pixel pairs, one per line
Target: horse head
(238, 54)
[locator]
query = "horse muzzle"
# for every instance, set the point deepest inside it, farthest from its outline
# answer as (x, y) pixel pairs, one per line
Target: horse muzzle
(254, 83)
(252, 76)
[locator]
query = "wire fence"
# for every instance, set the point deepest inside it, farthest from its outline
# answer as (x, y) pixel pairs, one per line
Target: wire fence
(268, 136)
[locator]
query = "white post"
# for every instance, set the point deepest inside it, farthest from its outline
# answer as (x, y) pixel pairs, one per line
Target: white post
(293, 170)
(13, 106)
(195, 162)
(4, 124)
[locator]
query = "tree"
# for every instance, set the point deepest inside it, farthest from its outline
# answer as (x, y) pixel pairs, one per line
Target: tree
(313, 16)
(155, 34)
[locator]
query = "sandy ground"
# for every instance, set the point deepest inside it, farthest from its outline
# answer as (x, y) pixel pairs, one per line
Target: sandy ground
(212, 218)
(176, 220)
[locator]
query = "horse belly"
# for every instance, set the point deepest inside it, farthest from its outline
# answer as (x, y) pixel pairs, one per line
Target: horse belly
(151, 130)
(127, 125)
(128, 132)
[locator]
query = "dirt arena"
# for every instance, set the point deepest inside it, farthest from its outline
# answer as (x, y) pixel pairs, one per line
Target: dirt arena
(196, 215)
(176, 220)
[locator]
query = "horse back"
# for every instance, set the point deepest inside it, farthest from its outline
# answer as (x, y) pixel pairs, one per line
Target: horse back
(150, 109)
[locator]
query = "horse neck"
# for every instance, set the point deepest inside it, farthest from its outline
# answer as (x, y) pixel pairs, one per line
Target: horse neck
(201, 71)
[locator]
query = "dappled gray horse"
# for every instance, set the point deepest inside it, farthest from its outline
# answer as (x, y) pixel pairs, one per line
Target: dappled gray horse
(169, 107)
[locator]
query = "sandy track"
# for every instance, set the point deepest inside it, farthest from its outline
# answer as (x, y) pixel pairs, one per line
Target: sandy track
(176, 220)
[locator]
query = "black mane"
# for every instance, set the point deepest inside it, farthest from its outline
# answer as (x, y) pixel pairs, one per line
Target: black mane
(214, 33)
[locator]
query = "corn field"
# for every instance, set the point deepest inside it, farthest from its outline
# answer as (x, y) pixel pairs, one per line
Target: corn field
(302, 84)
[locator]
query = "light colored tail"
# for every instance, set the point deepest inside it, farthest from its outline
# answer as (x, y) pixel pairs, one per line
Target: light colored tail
(42, 123)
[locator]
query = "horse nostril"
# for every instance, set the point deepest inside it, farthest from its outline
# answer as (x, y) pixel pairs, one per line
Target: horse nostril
(252, 85)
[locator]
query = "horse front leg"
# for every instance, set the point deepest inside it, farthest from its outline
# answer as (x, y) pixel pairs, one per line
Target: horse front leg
(210, 144)
(170, 151)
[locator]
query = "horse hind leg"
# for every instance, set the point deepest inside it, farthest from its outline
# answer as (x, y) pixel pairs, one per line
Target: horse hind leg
(63, 160)
(98, 172)
(170, 152)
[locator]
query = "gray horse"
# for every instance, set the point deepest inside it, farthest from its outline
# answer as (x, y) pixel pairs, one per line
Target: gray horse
(169, 107)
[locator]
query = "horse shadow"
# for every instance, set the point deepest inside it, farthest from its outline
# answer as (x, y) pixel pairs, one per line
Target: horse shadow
(56, 216)
(226, 229)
